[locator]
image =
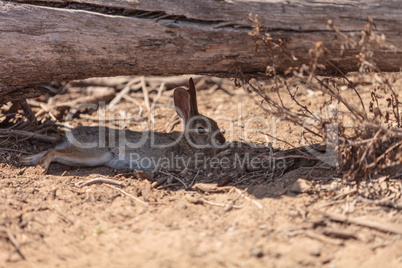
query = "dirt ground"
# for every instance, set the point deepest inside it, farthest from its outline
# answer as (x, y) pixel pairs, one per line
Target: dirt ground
(303, 217)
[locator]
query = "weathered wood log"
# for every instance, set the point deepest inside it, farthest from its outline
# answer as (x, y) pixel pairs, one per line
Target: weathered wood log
(56, 40)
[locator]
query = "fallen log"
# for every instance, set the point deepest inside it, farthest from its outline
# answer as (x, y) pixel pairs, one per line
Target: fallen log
(55, 40)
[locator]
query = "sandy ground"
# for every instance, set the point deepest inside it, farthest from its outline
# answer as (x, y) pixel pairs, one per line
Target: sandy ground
(303, 217)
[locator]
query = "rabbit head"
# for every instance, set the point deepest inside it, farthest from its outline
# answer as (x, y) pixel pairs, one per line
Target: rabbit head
(200, 131)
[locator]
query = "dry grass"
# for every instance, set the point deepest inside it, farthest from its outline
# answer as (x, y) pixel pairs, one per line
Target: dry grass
(362, 140)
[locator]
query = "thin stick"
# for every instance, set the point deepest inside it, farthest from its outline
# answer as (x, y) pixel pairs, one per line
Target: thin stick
(176, 178)
(27, 134)
(28, 111)
(158, 96)
(373, 164)
(193, 181)
(257, 204)
(350, 84)
(338, 233)
(127, 194)
(14, 241)
(293, 97)
(140, 109)
(344, 194)
(47, 109)
(195, 200)
(172, 121)
(101, 81)
(95, 118)
(146, 95)
(219, 204)
(122, 93)
(380, 226)
(99, 180)
(385, 203)
(13, 150)
(322, 238)
(159, 182)
(396, 176)
(358, 114)
(293, 147)
(10, 114)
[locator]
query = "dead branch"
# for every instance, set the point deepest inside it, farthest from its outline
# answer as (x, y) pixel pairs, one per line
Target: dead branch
(379, 226)
(322, 238)
(99, 180)
(127, 194)
(146, 94)
(200, 201)
(256, 203)
(29, 135)
(338, 233)
(176, 178)
(14, 242)
(124, 92)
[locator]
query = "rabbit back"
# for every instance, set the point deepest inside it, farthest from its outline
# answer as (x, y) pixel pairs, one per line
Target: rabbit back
(129, 149)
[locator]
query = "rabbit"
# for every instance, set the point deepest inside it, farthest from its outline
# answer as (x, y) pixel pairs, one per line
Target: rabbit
(125, 149)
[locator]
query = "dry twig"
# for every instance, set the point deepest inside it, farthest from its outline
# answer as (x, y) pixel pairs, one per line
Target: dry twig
(122, 93)
(146, 94)
(256, 203)
(13, 241)
(200, 201)
(176, 178)
(127, 194)
(323, 238)
(380, 226)
(27, 134)
(99, 180)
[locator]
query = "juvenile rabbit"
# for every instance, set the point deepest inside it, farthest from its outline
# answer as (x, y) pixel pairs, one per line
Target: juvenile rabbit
(121, 149)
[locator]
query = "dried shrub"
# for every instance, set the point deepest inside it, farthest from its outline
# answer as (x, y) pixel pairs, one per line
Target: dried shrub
(362, 140)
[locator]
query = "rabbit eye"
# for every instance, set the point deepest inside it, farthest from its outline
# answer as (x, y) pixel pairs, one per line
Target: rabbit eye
(201, 130)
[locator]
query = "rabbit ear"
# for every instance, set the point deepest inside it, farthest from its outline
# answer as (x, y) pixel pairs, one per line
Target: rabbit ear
(182, 103)
(193, 97)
